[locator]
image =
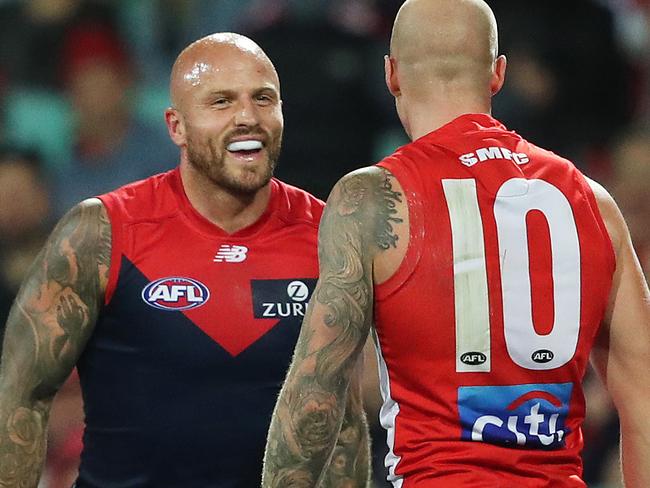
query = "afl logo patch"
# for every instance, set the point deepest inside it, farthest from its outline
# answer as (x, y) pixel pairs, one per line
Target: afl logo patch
(473, 358)
(175, 293)
(543, 356)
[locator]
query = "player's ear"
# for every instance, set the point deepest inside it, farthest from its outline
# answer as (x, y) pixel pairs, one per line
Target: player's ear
(175, 126)
(391, 76)
(498, 75)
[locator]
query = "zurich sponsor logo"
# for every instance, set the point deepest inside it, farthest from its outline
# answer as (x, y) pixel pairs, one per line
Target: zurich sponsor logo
(298, 291)
(175, 293)
(531, 416)
(280, 299)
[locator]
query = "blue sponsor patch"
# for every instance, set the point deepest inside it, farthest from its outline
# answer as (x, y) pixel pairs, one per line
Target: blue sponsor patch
(530, 416)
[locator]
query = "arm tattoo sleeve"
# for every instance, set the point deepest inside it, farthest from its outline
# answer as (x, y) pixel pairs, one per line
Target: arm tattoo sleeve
(315, 408)
(48, 326)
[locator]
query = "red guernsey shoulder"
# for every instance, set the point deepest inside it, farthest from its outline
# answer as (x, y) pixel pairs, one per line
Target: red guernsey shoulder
(485, 331)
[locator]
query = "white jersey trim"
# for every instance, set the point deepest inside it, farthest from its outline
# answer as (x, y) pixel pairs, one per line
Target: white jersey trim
(387, 415)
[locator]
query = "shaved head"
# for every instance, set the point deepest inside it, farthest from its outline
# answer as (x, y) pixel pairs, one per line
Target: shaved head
(445, 40)
(205, 57)
(443, 62)
(226, 113)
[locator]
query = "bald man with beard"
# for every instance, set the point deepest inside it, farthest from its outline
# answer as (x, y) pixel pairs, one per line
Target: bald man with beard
(179, 298)
(487, 270)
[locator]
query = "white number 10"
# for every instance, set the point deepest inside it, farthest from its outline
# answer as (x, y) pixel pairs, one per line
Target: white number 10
(514, 200)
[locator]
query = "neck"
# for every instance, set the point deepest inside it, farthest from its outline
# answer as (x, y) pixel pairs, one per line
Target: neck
(423, 116)
(228, 210)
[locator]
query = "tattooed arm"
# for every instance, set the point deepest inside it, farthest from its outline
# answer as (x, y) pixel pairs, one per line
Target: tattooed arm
(350, 463)
(47, 329)
(356, 226)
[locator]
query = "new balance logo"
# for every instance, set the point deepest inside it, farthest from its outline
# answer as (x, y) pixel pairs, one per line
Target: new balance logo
(231, 254)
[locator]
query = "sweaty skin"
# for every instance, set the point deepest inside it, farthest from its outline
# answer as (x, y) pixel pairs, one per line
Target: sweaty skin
(443, 63)
(191, 68)
(223, 87)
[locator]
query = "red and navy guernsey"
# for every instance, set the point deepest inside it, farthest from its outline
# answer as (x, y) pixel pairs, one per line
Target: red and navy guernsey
(181, 373)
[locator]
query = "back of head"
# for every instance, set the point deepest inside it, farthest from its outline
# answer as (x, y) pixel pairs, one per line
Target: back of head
(450, 42)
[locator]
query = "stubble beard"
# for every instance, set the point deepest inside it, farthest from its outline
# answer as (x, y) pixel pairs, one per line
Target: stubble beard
(210, 160)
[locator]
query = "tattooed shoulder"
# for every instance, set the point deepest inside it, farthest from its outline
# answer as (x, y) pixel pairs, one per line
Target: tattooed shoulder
(62, 295)
(369, 196)
(48, 326)
(79, 249)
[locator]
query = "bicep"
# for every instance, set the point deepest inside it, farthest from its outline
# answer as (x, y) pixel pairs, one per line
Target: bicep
(623, 346)
(358, 225)
(58, 304)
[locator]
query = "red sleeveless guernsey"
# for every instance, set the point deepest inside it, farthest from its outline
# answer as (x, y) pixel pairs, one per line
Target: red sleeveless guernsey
(185, 363)
(485, 330)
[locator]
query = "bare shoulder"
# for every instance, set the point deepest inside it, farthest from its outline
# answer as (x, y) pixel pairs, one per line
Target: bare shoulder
(84, 234)
(63, 292)
(91, 208)
(46, 332)
(610, 213)
(373, 197)
(629, 294)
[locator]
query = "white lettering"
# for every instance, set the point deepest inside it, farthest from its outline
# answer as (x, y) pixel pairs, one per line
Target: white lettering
(486, 153)
(468, 159)
(177, 292)
(161, 292)
(552, 427)
(191, 295)
(534, 419)
(512, 427)
(547, 440)
(521, 158)
(268, 310)
(293, 309)
(542, 356)
(284, 312)
(491, 153)
(507, 153)
(481, 422)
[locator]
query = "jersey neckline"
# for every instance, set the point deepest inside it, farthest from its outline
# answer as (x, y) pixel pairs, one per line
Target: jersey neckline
(463, 124)
(205, 226)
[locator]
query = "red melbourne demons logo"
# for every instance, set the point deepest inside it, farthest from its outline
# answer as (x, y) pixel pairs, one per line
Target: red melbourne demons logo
(175, 293)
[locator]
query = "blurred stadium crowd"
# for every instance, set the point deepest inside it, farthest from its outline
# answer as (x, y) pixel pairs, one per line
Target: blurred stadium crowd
(83, 85)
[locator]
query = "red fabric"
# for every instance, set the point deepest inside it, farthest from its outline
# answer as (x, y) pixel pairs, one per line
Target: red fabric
(138, 231)
(415, 314)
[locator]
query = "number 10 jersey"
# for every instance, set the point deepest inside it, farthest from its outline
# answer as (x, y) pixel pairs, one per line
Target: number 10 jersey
(484, 333)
